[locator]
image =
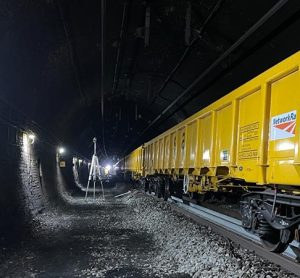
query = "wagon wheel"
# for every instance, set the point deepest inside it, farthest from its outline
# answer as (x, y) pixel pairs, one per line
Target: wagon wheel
(201, 197)
(274, 240)
(150, 187)
(167, 193)
(158, 189)
(146, 186)
(193, 195)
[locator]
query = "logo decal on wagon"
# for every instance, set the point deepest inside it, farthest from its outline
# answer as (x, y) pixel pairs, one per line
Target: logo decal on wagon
(283, 126)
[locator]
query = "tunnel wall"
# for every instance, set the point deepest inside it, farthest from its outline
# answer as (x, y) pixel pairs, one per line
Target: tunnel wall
(11, 214)
(31, 181)
(22, 194)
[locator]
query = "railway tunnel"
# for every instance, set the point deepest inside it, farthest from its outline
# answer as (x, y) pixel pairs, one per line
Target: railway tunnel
(123, 72)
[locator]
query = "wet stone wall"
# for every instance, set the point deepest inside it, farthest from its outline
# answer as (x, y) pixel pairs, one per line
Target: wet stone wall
(23, 188)
(10, 202)
(31, 179)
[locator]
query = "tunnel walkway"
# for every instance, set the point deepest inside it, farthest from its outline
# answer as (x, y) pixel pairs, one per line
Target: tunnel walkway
(85, 240)
(132, 236)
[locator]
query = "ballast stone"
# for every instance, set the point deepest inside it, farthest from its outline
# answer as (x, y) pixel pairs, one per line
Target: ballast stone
(190, 249)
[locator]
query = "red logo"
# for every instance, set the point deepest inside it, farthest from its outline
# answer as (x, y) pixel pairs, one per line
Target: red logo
(287, 126)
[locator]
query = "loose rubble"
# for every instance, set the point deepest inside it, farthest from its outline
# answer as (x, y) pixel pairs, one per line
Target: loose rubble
(186, 247)
(131, 236)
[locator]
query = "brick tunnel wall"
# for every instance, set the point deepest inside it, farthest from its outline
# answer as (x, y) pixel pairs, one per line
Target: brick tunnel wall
(11, 214)
(30, 181)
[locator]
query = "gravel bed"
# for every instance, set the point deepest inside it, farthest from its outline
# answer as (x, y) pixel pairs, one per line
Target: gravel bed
(132, 236)
(186, 247)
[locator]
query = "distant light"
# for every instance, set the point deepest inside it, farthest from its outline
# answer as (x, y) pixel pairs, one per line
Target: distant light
(80, 161)
(61, 150)
(25, 143)
(31, 138)
(28, 139)
(108, 167)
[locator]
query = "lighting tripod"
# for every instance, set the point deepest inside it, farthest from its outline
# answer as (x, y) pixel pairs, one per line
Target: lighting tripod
(94, 173)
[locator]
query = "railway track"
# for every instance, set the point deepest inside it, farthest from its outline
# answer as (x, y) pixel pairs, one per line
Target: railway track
(231, 228)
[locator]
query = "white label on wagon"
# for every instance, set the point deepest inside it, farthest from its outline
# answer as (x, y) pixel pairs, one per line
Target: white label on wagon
(283, 126)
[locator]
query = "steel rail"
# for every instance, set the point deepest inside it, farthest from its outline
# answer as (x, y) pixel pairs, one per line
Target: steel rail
(231, 228)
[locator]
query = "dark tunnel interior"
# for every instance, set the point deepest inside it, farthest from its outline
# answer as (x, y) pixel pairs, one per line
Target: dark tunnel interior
(122, 71)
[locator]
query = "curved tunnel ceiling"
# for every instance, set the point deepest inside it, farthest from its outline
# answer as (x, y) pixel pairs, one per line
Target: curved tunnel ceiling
(50, 55)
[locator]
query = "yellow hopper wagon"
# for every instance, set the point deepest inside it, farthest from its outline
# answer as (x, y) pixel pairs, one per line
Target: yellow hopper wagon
(133, 163)
(248, 140)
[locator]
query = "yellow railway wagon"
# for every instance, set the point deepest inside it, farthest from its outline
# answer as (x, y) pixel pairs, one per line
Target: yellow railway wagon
(249, 140)
(134, 162)
(250, 134)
